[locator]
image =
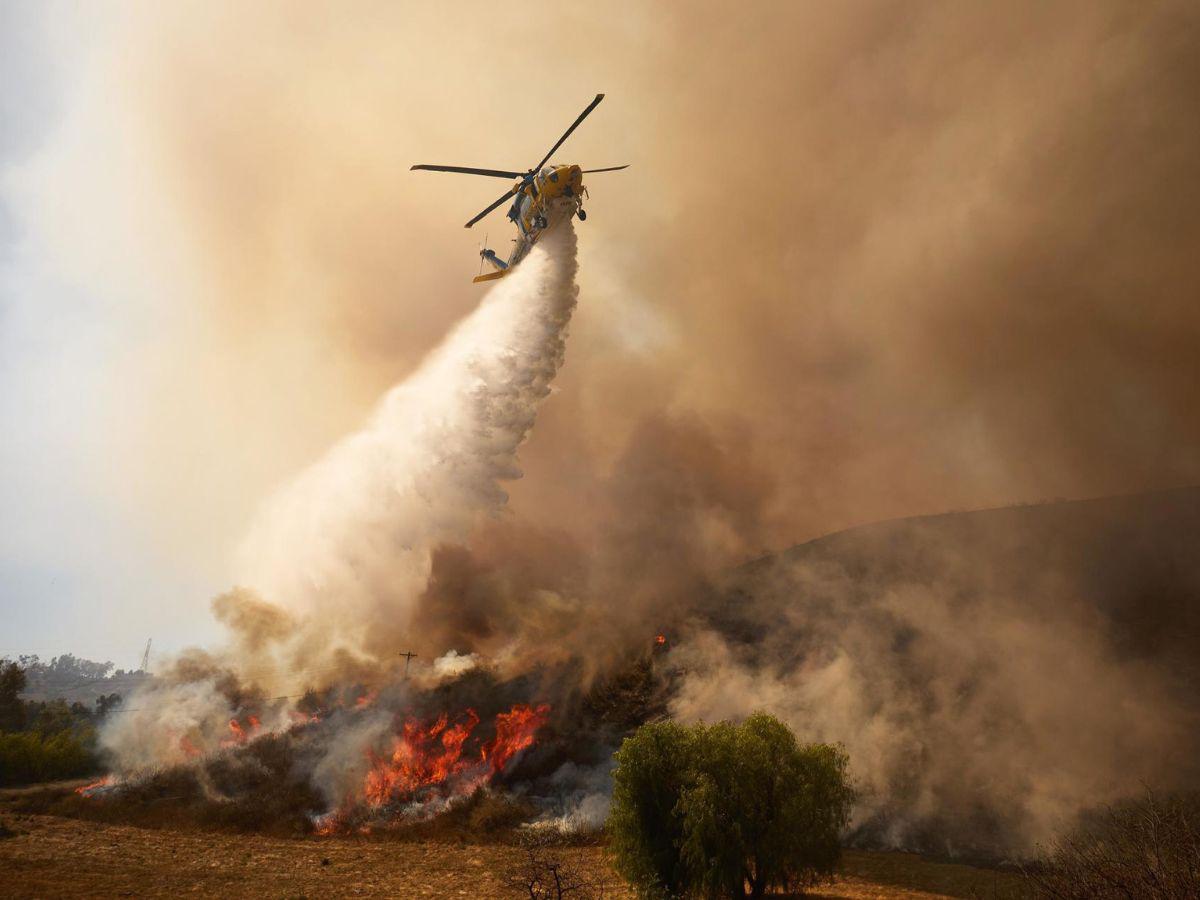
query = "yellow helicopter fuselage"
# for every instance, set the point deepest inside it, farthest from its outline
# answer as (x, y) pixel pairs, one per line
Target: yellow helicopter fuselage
(541, 198)
(540, 203)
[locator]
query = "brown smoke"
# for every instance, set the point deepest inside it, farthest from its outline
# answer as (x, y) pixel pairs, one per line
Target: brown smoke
(933, 257)
(255, 622)
(679, 507)
(991, 673)
(872, 259)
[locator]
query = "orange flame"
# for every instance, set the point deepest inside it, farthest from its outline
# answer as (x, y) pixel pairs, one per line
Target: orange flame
(190, 750)
(420, 757)
(432, 754)
(242, 733)
(327, 824)
(88, 789)
(660, 639)
(514, 732)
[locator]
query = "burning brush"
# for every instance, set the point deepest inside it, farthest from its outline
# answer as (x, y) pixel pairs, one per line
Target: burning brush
(432, 763)
(346, 758)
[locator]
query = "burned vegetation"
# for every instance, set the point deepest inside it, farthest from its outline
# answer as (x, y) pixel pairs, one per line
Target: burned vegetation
(473, 756)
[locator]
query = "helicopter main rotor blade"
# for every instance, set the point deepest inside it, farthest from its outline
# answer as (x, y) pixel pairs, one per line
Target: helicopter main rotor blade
(467, 170)
(566, 134)
(499, 200)
(609, 169)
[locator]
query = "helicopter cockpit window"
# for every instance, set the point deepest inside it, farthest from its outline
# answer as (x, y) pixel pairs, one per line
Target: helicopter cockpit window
(554, 175)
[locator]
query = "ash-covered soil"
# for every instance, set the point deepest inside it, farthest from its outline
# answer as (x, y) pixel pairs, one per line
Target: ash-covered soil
(48, 856)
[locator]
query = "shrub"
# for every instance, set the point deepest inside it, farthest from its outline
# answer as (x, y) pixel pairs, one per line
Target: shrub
(548, 871)
(493, 811)
(644, 826)
(725, 810)
(30, 756)
(1140, 848)
(12, 709)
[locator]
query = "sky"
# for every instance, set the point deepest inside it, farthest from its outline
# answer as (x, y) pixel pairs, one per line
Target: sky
(68, 558)
(893, 258)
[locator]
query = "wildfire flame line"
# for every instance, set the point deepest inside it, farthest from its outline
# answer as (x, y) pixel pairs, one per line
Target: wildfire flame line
(431, 754)
(429, 759)
(88, 790)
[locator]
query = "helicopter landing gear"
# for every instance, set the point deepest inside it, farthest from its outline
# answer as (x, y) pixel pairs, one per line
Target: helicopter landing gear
(582, 213)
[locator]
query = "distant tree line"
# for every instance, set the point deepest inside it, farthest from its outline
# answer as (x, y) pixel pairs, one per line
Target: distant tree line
(67, 666)
(71, 676)
(51, 739)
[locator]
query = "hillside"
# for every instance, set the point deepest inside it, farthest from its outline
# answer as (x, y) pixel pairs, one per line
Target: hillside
(992, 673)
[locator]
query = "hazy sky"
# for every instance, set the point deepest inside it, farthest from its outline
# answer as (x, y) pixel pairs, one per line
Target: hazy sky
(900, 257)
(72, 566)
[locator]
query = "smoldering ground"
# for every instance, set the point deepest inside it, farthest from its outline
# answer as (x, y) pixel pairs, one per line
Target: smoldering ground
(871, 261)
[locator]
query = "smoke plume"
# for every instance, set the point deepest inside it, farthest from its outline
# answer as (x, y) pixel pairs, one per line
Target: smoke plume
(991, 674)
(348, 546)
(909, 258)
(339, 557)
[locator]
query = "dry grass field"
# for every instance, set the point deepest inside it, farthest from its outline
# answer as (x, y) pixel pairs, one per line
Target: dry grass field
(52, 856)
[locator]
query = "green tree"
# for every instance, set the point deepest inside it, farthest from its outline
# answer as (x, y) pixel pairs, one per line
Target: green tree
(12, 709)
(56, 716)
(727, 810)
(106, 704)
(31, 756)
(644, 827)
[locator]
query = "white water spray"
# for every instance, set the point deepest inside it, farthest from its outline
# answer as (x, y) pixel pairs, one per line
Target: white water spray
(346, 547)
(348, 543)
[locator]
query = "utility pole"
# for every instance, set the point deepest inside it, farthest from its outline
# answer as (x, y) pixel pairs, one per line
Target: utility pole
(146, 656)
(408, 657)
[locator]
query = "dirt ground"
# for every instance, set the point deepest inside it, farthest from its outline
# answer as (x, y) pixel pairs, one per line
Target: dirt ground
(49, 856)
(52, 857)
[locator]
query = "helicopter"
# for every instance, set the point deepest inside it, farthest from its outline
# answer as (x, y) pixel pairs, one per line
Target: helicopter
(543, 196)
